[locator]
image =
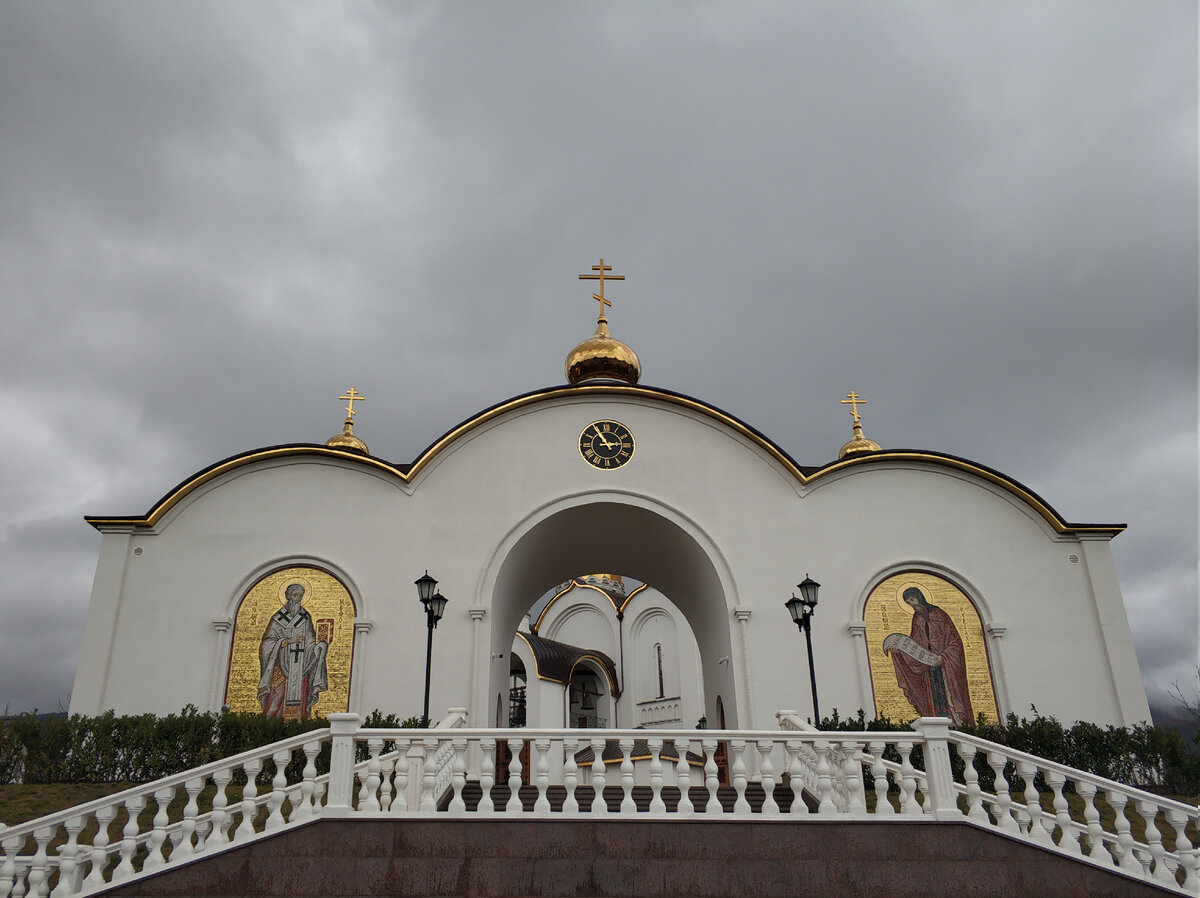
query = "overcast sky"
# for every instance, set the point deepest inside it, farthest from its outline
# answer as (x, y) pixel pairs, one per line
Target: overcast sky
(216, 217)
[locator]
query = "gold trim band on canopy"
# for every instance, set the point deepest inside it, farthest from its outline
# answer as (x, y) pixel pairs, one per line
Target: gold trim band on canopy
(160, 508)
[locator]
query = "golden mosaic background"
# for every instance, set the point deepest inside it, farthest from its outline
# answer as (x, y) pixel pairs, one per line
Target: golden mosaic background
(887, 613)
(332, 610)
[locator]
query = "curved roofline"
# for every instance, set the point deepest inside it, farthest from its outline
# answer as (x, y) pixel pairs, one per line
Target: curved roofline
(804, 475)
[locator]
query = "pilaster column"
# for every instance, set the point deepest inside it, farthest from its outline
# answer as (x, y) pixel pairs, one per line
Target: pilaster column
(995, 631)
(742, 613)
(862, 662)
(476, 705)
(362, 626)
(216, 694)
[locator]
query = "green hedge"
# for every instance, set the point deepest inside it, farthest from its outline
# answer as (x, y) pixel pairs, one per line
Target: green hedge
(1150, 757)
(143, 747)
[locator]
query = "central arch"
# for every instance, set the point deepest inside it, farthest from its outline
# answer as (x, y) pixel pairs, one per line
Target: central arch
(636, 538)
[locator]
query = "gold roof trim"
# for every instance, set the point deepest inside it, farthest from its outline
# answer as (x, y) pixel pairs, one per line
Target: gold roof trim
(537, 625)
(551, 394)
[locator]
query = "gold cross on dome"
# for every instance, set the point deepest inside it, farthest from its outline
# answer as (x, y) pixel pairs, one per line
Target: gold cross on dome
(854, 401)
(601, 278)
(351, 397)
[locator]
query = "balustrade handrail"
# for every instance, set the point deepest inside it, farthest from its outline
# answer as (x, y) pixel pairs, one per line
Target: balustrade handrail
(1073, 773)
(147, 790)
(426, 772)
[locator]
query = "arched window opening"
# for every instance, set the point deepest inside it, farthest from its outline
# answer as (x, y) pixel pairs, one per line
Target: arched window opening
(658, 657)
(516, 692)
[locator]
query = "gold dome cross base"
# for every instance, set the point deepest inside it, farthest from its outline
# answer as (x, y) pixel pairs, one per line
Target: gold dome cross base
(347, 440)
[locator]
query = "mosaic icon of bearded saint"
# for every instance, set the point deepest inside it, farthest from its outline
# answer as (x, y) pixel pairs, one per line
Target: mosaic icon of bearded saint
(292, 660)
(930, 664)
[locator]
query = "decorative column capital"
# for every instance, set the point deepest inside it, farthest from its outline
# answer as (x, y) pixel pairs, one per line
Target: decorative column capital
(477, 613)
(222, 624)
(742, 613)
(363, 625)
(857, 628)
(996, 629)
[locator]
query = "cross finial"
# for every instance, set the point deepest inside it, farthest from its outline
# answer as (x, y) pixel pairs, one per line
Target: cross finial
(854, 401)
(601, 277)
(352, 396)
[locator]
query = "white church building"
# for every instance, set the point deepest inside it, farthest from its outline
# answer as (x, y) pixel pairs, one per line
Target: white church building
(280, 580)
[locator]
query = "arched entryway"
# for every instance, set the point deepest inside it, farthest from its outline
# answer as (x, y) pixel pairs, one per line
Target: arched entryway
(637, 538)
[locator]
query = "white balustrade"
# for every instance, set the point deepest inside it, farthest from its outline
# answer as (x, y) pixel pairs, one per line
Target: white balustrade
(660, 774)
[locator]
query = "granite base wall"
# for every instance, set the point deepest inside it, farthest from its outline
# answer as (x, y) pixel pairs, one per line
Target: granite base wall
(580, 857)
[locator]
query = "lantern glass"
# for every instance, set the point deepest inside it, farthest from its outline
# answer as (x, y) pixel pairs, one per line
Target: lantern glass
(425, 587)
(795, 608)
(808, 589)
(437, 607)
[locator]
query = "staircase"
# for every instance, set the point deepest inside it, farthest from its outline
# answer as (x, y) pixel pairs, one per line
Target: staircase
(455, 811)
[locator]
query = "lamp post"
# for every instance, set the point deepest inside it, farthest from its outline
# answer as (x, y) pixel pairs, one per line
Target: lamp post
(435, 607)
(802, 610)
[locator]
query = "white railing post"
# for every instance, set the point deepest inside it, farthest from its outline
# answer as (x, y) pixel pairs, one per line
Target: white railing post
(342, 728)
(942, 800)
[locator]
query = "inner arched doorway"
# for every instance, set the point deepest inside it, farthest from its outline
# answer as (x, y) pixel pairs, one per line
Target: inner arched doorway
(649, 543)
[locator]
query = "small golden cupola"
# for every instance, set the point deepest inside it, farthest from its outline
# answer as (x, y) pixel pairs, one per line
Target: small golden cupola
(346, 439)
(859, 444)
(602, 357)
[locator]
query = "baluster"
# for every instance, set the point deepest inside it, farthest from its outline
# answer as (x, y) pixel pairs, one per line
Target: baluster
(95, 877)
(39, 866)
(683, 778)
(628, 806)
(541, 805)
(1039, 831)
(203, 827)
(570, 775)
(766, 770)
(599, 804)
(21, 881)
(221, 819)
(400, 778)
(249, 807)
(1002, 809)
(975, 810)
(657, 805)
(458, 776)
(429, 776)
(278, 795)
(711, 783)
(737, 770)
(514, 806)
(387, 766)
(8, 870)
(308, 782)
(181, 844)
(368, 792)
(487, 774)
(158, 835)
(1183, 846)
(826, 806)
(1158, 853)
(879, 779)
(68, 860)
(853, 777)
(1068, 839)
(1123, 850)
(133, 807)
(796, 776)
(1091, 818)
(908, 780)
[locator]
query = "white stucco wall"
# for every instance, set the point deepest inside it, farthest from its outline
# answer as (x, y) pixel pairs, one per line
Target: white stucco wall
(703, 511)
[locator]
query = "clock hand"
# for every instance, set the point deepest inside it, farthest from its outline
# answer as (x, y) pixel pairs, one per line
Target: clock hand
(607, 444)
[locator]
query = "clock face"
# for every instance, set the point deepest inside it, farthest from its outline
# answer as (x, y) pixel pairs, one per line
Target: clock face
(606, 444)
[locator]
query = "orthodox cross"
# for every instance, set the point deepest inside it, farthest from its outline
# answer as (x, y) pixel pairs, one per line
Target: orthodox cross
(601, 278)
(352, 396)
(854, 401)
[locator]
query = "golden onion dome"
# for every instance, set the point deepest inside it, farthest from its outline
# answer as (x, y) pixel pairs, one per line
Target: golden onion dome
(347, 440)
(602, 357)
(859, 444)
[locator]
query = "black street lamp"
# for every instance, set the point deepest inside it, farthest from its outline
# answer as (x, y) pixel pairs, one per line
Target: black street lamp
(435, 607)
(802, 610)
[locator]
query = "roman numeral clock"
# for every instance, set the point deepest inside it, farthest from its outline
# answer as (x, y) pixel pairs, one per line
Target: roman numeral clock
(606, 444)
